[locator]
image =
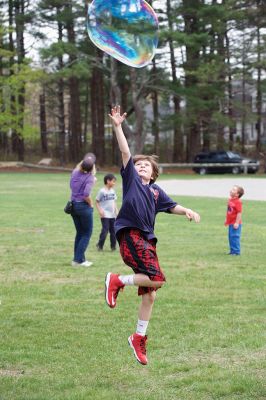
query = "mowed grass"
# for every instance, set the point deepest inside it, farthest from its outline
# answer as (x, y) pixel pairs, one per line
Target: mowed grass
(59, 340)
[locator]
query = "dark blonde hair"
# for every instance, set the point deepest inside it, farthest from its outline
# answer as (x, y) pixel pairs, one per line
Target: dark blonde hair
(240, 191)
(153, 159)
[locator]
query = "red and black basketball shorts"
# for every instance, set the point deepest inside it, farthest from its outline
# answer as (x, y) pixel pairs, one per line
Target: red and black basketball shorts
(139, 253)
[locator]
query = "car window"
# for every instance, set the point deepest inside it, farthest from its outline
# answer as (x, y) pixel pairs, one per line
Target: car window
(221, 157)
(233, 155)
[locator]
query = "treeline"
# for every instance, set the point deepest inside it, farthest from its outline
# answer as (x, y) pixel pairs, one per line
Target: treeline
(186, 99)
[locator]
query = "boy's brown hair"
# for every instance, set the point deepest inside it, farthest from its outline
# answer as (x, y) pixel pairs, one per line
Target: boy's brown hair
(153, 159)
(240, 191)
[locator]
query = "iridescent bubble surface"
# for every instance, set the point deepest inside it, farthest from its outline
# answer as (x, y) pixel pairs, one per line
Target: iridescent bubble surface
(125, 29)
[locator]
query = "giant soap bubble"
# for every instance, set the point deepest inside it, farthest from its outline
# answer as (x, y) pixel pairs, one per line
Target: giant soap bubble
(125, 29)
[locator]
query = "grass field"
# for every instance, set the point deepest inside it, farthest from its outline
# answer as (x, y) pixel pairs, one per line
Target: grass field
(59, 340)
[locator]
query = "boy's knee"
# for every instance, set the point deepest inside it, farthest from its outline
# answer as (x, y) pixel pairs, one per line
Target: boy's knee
(149, 297)
(158, 284)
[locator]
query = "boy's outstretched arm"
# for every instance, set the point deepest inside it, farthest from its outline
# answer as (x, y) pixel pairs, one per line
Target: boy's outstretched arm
(117, 120)
(190, 214)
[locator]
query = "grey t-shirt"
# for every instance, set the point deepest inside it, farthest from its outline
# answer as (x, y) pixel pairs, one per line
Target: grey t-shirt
(106, 198)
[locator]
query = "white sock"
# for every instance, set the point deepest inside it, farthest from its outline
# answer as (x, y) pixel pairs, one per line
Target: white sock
(127, 279)
(142, 327)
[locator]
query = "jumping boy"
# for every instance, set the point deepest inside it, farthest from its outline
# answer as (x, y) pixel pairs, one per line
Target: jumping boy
(142, 200)
(233, 219)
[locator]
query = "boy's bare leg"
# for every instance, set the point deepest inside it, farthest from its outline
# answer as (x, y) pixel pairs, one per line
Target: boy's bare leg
(113, 284)
(146, 305)
(138, 340)
(144, 280)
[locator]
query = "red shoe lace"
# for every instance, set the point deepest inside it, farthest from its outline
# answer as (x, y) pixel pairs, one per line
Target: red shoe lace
(142, 345)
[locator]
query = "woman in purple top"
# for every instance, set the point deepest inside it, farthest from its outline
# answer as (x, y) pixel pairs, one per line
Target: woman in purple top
(81, 183)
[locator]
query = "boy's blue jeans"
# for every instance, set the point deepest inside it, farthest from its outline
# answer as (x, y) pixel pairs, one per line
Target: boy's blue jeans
(83, 220)
(234, 236)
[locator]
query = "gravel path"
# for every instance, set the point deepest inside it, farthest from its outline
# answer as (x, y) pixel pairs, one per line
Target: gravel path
(255, 188)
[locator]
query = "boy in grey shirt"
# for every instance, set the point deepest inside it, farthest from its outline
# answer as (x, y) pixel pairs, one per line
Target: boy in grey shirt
(107, 209)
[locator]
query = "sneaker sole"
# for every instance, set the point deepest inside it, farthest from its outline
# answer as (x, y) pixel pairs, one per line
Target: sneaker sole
(76, 265)
(107, 281)
(87, 265)
(135, 354)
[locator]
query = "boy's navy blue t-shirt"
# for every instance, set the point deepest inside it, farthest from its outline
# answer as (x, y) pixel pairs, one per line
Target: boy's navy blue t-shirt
(141, 203)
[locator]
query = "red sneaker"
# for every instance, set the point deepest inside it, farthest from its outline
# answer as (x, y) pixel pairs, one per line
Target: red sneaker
(138, 344)
(112, 287)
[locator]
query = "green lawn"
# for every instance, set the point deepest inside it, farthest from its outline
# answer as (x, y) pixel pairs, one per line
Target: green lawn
(59, 340)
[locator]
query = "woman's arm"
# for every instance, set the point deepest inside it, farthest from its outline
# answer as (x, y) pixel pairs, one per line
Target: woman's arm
(88, 200)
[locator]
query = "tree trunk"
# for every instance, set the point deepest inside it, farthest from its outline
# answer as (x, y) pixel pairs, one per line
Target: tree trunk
(98, 140)
(3, 135)
(155, 109)
(243, 119)
(11, 63)
(43, 126)
(222, 78)
(115, 98)
(60, 99)
(86, 114)
(20, 26)
(205, 125)
(137, 141)
(93, 86)
(191, 81)
(178, 139)
(75, 149)
(230, 95)
(259, 92)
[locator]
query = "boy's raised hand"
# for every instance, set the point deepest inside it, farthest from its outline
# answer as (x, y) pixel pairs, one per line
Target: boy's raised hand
(116, 116)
